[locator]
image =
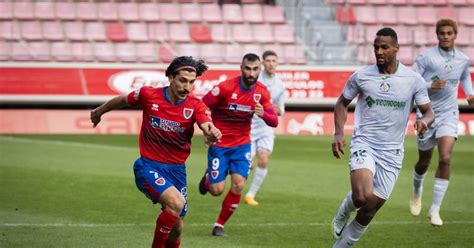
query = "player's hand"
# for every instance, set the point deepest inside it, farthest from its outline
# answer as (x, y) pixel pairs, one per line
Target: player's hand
(438, 84)
(213, 134)
(277, 109)
(338, 145)
(470, 100)
(95, 117)
(259, 109)
(420, 126)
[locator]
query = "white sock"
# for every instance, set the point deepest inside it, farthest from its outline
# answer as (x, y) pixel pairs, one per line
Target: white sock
(440, 187)
(258, 178)
(347, 205)
(418, 183)
(350, 235)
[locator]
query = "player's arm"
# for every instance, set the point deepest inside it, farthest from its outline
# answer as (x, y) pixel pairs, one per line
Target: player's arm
(279, 104)
(211, 133)
(427, 118)
(340, 118)
(268, 115)
(114, 103)
(466, 84)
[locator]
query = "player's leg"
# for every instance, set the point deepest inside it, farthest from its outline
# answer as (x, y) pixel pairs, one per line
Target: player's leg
(264, 148)
(174, 239)
(213, 180)
(441, 181)
(173, 203)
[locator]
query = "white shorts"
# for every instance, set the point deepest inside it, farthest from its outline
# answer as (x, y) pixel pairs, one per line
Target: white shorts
(445, 127)
(265, 142)
(385, 166)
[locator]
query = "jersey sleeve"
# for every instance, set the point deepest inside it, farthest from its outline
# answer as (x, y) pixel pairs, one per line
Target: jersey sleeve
(280, 98)
(466, 81)
(202, 113)
(421, 93)
(351, 89)
(266, 100)
(213, 96)
(135, 97)
(420, 65)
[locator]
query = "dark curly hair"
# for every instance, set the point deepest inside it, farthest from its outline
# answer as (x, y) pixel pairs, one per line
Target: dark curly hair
(188, 63)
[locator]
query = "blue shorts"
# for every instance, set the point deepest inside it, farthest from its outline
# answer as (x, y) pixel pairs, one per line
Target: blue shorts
(153, 178)
(223, 161)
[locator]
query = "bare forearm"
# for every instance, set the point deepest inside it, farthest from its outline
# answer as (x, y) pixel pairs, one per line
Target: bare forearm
(114, 103)
(340, 117)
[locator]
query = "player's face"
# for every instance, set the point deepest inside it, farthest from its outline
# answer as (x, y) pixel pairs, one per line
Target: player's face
(269, 64)
(385, 50)
(250, 71)
(182, 84)
(446, 37)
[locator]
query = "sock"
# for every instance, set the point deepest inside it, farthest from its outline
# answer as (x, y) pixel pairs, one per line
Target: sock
(258, 178)
(440, 187)
(230, 203)
(173, 243)
(164, 225)
(418, 183)
(350, 235)
(347, 205)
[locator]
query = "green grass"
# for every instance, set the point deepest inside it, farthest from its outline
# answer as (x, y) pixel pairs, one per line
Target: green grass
(79, 191)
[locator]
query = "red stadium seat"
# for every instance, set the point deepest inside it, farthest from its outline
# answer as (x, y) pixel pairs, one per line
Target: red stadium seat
(437, 2)
(95, 31)
(466, 16)
(420, 36)
(355, 34)
(417, 2)
(386, 15)
(190, 49)
(107, 11)
(31, 30)
(365, 15)
(464, 37)
(263, 33)
(426, 15)
(242, 33)
(232, 13)
(128, 11)
(6, 10)
(469, 51)
(82, 51)
(212, 53)
(377, 2)
(125, 52)
(220, 33)
(9, 30)
(23, 10)
(148, 12)
(191, 12)
(170, 12)
(461, 3)
(61, 51)
(233, 53)
(116, 32)
(44, 10)
(211, 13)
(4, 51)
(137, 31)
(252, 13)
(53, 30)
(370, 33)
(405, 35)
(166, 54)
(75, 31)
(146, 52)
(397, 2)
(158, 32)
(283, 33)
(201, 33)
(407, 15)
(39, 50)
(448, 13)
(432, 37)
(65, 10)
(406, 55)
(273, 14)
(278, 49)
(104, 51)
(179, 32)
(294, 54)
(357, 2)
(86, 11)
(345, 15)
(252, 48)
(20, 51)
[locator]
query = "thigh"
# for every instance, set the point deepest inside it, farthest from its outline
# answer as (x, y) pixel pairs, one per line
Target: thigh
(388, 165)
(362, 166)
(240, 160)
(218, 164)
(266, 143)
(150, 180)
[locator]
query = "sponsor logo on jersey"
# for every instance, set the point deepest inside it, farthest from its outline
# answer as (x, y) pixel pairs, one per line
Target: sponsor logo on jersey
(166, 125)
(384, 86)
(384, 103)
(448, 68)
(239, 107)
(214, 174)
(160, 181)
(187, 113)
(234, 96)
(215, 91)
(452, 81)
(256, 97)
(154, 107)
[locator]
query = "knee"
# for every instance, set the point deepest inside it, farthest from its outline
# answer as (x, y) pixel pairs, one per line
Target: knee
(176, 204)
(424, 162)
(361, 199)
(216, 190)
(238, 186)
(263, 162)
(445, 160)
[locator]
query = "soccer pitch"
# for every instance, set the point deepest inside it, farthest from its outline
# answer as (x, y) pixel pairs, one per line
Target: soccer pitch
(79, 191)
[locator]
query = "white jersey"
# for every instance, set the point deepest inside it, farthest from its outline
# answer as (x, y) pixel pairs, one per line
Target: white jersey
(453, 67)
(384, 105)
(277, 92)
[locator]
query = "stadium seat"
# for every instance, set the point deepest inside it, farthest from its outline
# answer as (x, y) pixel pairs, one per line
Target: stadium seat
(345, 15)
(370, 33)
(170, 12)
(466, 16)
(9, 30)
(128, 11)
(377, 2)
(448, 13)
(220, 33)
(4, 51)
(294, 54)
(420, 36)
(232, 13)
(146, 52)
(188, 49)
(437, 2)
(407, 15)
(61, 51)
(432, 38)
(252, 13)
(357, 2)
(23, 10)
(82, 51)
(200, 33)
(212, 53)
(31, 30)
(464, 36)
(263, 33)
(75, 31)
(252, 48)
(86, 11)
(191, 12)
(104, 51)
(469, 51)
(148, 12)
(386, 15)
(406, 55)
(328, 33)
(417, 2)
(426, 15)
(273, 14)
(125, 52)
(116, 32)
(460, 3)
(20, 52)
(339, 54)
(44, 10)
(39, 51)
(95, 31)
(405, 35)
(6, 10)
(137, 31)
(180, 32)
(53, 30)
(397, 2)
(107, 11)
(166, 53)
(278, 49)
(211, 13)
(158, 32)
(242, 33)
(365, 14)
(233, 53)
(363, 56)
(65, 10)
(283, 33)
(355, 34)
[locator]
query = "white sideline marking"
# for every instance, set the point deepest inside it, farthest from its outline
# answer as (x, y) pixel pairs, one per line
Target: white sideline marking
(399, 223)
(67, 143)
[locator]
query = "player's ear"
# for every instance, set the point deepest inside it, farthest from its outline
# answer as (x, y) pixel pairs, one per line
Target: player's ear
(170, 78)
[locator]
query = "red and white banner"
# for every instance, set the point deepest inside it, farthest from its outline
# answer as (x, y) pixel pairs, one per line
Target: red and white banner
(129, 122)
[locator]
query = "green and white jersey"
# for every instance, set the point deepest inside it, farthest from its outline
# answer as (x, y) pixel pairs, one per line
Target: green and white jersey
(384, 105)
(453, 67)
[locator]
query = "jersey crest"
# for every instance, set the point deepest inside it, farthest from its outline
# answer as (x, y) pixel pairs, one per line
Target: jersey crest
(256, 97)
(187, 113)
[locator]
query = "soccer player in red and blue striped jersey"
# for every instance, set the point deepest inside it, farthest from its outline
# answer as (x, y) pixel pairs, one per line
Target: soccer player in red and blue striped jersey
(233, 104)
(169, 114)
